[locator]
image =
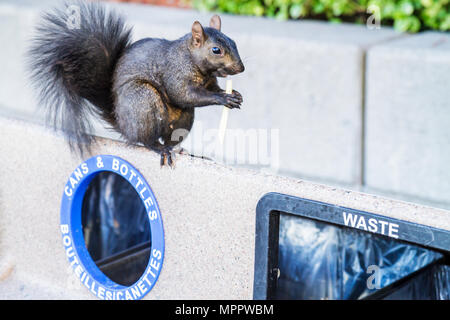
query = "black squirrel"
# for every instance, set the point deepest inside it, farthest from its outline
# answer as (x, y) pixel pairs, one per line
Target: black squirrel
(145, 90)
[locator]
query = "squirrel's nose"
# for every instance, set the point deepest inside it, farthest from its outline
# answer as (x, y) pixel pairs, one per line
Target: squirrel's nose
(240, 67)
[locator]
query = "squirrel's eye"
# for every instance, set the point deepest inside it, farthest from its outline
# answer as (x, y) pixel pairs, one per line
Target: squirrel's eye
(216, 50)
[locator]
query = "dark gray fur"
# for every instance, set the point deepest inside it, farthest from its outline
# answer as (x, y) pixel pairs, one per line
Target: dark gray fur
(145, 90)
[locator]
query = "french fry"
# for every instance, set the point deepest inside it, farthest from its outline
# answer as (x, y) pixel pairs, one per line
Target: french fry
(225, 111)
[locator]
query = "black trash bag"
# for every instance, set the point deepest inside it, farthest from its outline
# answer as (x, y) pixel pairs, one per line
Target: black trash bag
(114, 223)
(322, 261)
(431, 284)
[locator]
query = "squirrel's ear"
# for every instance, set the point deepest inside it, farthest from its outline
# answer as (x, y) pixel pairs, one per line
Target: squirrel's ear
(198, 35)
(215, 22)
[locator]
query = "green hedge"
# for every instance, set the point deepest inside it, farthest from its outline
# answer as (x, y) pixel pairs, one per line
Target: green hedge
(404, 15)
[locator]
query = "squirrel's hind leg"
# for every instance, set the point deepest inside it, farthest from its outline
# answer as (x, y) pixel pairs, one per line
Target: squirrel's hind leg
(179, 125)
(150, 119)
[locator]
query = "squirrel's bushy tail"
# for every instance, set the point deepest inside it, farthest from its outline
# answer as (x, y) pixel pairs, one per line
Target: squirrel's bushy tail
(72, 60)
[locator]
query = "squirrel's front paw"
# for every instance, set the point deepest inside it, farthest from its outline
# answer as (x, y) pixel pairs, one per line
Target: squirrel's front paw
(233, 100)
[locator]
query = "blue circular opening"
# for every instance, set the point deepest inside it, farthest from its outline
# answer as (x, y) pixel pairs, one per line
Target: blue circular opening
(72, 230)
(116, 228)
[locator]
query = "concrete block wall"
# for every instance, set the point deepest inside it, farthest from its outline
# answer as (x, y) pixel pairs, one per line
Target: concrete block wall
(408, 116)
(332, 93)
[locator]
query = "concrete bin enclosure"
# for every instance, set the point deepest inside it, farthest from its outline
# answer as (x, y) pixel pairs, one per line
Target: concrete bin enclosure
(338, 112)
(208, 211)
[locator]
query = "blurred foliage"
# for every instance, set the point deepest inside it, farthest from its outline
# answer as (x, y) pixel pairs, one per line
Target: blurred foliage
(404, 15)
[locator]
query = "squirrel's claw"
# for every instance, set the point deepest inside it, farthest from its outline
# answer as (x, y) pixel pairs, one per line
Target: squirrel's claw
(171, 160)
(233, 100)
(167, 159)
(182, 150)
(163, 160)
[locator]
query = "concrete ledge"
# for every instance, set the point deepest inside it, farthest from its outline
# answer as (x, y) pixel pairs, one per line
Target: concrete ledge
(208, 212)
